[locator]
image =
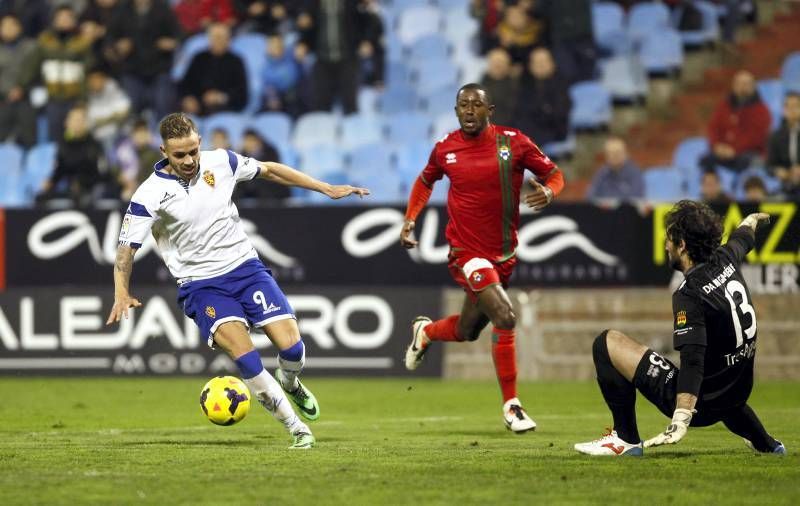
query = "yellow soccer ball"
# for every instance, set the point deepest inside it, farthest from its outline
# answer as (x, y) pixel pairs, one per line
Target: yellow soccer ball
(225, 400)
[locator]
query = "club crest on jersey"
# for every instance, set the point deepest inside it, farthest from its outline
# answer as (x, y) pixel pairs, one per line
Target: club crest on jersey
(211, 312)
(476, 277)
(504, 152)
(450, 158)
(680, 318)
(208, 177)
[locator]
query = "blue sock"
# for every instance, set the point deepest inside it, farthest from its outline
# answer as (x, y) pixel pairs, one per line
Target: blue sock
(291, 361)
(250, 364)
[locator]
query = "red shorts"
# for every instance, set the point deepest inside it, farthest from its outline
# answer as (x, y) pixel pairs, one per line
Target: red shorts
(475, 273)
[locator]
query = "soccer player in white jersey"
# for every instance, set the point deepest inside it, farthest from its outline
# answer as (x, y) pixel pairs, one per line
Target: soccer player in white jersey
(223, 285)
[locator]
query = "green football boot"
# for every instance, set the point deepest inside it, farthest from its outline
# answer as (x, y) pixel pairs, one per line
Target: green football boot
(302, 441)
(302, 398)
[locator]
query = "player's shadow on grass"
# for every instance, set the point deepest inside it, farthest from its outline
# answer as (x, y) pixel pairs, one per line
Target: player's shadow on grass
(187, 442)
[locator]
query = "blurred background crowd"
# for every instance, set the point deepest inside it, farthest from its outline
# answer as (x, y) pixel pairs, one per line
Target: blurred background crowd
(359, 90)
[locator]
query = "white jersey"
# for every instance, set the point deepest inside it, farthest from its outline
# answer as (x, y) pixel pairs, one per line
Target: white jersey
(196, 227)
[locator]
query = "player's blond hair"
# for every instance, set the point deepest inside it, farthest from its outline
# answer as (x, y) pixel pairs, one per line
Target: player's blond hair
(176, 126)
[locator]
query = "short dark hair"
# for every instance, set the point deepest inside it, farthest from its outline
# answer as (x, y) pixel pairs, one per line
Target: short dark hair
(176, 126)
(476, 87)
(697, 225)
(754, 182)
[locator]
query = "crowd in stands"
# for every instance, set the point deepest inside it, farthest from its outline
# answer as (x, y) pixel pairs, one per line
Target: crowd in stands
(94, 76)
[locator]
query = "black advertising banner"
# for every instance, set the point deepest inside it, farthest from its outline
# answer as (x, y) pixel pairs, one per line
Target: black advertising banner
(348, 332)
(564, 246)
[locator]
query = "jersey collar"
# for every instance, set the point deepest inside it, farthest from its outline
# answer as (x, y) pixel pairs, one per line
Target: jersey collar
(159, 167)
(485, 135)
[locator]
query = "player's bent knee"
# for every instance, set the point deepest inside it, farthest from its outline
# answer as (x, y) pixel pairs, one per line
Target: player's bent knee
(600, 346)
(506, 319)
(234, 338)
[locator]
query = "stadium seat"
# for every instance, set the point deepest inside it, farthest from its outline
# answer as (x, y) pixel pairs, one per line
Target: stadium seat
(460, 27)
(367, 100)
(318, 160)
(624, 78)
(661, 53)
(452, 4)
(252, 48)
(444, 123)
(359, 129)
(315, 128)
(439, 102)
(393, 101)
(663, 184)
(591, 105)
(790, 72)
(686, 158)
(411, 159)
(429, 47)
(608, 23)
(40, 162)
(233, 123)
(12, 190)
(376, 157)
(708, 33)
(771, 91)
(645, 18)
(561, 149)
(384, 186)
(187, 51)
(431, 75)
(273, 126)
(728, 180)
(772, 184)
(408, 127)
(398, 75)
(416, 22)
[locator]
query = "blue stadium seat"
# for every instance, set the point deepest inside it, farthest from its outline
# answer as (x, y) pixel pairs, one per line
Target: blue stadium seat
(367, 100)
(275, 127)
(647, 17)
(187, 51)
(686, 158)
(663, 184)
(460, 27)
(708, 33)
(232, 122)
(439, 102)
(608, 23)
(561, 149)
(432, 75)
(444, 123)
(398, 75)
(321, 159)
(661, 53)
(376, 157)
(40, 162)
(416, 22)
(790, 72)
(728, 179)
(624, 78)
(772, 184)
(591, 105)
(771, 91)
(452, 4)
(408, 127)
(252, 48)
(439, 195)
(315, 128)
(393, 101)
(359, 129)
(384, 185)
(12, 190)
(429, 47)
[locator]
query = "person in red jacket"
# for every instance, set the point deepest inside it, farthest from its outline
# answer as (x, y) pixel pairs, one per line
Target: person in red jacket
(485, 164)
(739, 127)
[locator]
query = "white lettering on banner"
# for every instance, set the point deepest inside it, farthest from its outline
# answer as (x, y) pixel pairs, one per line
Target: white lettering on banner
(318, 328)
(156, 321)
(7, 335)
(134, 364)
(27, 334)
(72, 322)
(429, 252)
(80, 229)
(364, 340)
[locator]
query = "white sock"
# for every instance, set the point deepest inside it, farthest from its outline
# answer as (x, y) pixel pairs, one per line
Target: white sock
(270, 394)
(291, 370)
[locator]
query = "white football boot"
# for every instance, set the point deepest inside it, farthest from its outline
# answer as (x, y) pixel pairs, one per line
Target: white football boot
(610, 446)
(517, 420)
(419, 343)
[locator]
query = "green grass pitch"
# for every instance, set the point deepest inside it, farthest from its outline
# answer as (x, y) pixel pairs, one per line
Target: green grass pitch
(380, 441)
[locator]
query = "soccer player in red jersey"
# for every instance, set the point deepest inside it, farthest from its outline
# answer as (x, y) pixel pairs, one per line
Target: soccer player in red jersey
(485, 164)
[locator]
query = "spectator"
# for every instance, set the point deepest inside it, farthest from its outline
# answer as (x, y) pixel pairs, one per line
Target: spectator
(145, 36)
(570, 37)
(261, 15)
(372, 54)
(784, 144)
(220, 139)
(501, 85)
(216, 79)
(280, 77)
(108, 107)
(254, 146)
(136, 156)
(791, 187)
(711, 191)
(754, 189)
(334, 30)
(33, 14)
(187, 13)
(739, 127)
(519, 32)
(61, 47)
(619, 178)
(17, 117)
(80, 163)
(95, 21)
(217, 11)
(543, 101)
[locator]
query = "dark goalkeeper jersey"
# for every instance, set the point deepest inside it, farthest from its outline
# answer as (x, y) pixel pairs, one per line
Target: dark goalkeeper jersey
(713, 308)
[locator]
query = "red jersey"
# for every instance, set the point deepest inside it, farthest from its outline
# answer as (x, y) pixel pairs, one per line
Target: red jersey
(486, 174)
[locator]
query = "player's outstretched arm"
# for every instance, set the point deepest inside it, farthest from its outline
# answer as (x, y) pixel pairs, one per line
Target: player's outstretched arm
(123, 267)
(755, 220)
(285, 175)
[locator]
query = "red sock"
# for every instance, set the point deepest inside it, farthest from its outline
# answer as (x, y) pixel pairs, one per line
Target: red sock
(443, 330)
(505, 361)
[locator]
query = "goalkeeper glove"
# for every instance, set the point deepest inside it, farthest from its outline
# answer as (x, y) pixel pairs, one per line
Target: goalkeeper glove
(681, 419)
